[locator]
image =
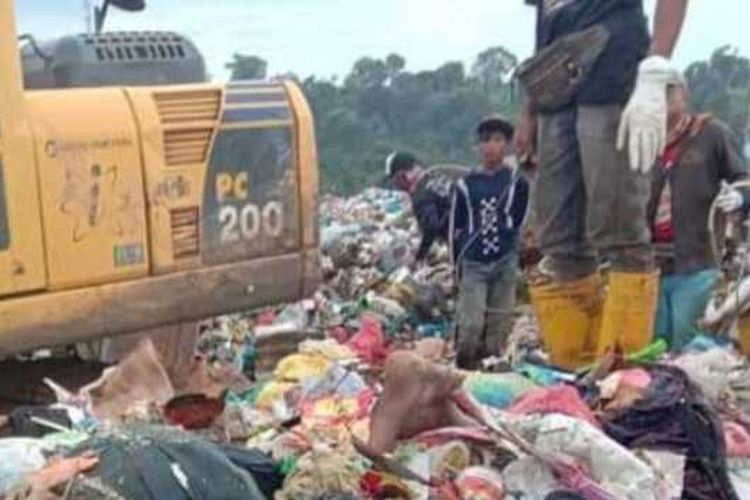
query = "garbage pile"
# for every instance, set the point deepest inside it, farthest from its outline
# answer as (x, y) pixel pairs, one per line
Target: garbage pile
(369, 406)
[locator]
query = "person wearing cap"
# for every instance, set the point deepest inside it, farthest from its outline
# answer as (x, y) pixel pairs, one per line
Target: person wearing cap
(596, 132)
(701, 158)
(488, 209)
(429, 190)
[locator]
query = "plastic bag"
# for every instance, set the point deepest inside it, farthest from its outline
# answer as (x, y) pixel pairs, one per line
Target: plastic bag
(614, 467)
(297, 367)
(369, 341)
(481, 483)
(563, 400)
(497, 389)
(18, 456)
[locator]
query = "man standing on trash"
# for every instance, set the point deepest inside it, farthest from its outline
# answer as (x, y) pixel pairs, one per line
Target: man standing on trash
(429, 190)
(488, 209)
(596, 102)
(700, 159)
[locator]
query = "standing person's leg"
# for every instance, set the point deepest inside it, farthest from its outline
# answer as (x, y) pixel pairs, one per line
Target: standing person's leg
(567, 300)
(664, 313)
(471, 311)
(689, 300)
(617, 227)
(560, 200)
(501, 301)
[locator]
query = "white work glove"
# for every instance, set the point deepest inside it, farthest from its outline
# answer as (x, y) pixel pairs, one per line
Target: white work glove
(729, 199)
(644, 120)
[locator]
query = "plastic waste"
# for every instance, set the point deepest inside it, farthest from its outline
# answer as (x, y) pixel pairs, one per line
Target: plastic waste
(337, 380)
(543, 375)
(498, 390)
(617, 469)
(369, 342)
(297, 367)
(562, 400)
(737, 440)
(529, 478)
(381, 305)
(739, 475)
(18, 457)
(446, 459)
(481, 483)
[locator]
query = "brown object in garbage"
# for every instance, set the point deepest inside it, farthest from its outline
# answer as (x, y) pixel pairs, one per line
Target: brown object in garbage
(194, 411)
(416, 398)
(61, 470)
(432, 349)
(138, 381)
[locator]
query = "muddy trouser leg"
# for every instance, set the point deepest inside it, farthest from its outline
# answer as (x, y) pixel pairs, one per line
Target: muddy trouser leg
(501, 301)
(472, 308)
(560, 199)
(617, 196)
(617, 227)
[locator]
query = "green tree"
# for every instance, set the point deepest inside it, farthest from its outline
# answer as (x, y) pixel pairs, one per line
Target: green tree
(245, 67)
(494, 66)
(382, 106)
(721, 86)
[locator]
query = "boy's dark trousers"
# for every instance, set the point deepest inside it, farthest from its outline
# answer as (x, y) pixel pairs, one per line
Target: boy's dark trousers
(487, 296)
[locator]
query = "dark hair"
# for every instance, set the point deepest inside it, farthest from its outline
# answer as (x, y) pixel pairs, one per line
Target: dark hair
(399, 161)
(494, 125)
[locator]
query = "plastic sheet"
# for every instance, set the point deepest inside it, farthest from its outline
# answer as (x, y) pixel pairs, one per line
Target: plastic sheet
(611, 465)
(498, 390)
(18, 457)
(563, 400)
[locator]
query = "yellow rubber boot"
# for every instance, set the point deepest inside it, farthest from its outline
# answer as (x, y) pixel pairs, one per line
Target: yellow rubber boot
(569, 317)
(629, 312)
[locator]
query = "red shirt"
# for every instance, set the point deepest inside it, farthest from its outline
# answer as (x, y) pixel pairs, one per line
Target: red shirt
(663, 230)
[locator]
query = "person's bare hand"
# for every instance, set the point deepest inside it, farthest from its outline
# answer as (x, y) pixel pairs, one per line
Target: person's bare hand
(524, 139)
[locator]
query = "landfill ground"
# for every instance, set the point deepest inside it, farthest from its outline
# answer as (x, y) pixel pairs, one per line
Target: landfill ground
(353, 394)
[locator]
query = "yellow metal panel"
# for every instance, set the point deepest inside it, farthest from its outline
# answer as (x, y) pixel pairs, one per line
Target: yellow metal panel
(175, 150)
(91, 183)
(21, 245)
(22, 266)
(307, 158)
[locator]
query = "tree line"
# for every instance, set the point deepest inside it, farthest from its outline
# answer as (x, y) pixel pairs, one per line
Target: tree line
(380, 106)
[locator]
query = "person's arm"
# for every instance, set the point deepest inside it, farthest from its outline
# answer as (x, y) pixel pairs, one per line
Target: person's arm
(524, 138)
(520, 203)
(430, 223)
(732, 166)
(668, 21)
(458, 217)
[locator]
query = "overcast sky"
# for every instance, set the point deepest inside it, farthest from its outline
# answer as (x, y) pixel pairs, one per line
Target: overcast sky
(324, 37)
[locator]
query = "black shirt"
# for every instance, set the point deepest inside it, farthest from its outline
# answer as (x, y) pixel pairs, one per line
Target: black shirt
(613, 77)
(431, 204)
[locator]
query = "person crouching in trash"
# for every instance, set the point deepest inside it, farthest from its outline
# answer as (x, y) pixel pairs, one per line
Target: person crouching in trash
(488, 209)
(429, 190)
(701, 157)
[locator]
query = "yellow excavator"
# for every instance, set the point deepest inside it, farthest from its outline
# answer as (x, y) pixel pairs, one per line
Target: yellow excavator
(126, 208)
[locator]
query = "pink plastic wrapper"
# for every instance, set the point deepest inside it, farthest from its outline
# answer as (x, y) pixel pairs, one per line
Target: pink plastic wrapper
(560, 399)
(481, 483)
(369, 341)
(737, 440)
(471, 435)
